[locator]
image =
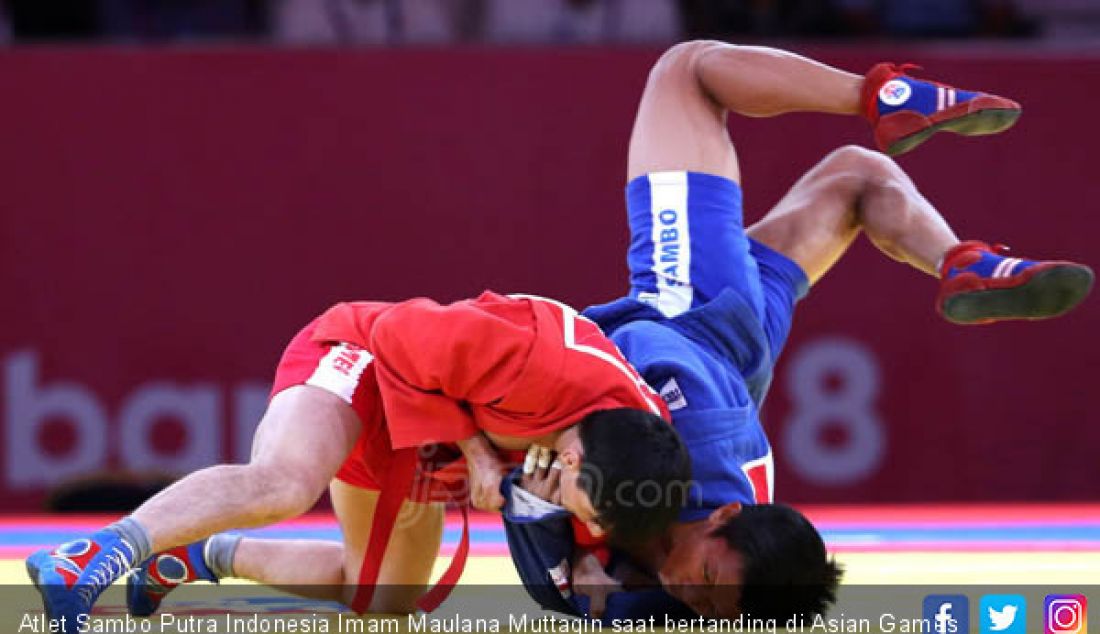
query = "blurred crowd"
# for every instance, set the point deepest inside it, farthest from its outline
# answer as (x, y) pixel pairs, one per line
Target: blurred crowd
(394, 22)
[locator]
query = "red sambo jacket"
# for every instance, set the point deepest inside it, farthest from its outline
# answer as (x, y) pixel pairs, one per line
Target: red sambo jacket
(518, 366)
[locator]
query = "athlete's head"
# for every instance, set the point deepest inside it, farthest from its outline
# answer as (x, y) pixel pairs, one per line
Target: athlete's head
(764, 561)
(625, 472)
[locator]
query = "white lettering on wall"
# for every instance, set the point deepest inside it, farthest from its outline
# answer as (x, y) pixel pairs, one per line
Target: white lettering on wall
(30, 403)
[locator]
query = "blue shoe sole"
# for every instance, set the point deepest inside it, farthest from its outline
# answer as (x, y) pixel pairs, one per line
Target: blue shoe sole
(137, 603)
(1047, 294)
(33, 573)
(47, 583)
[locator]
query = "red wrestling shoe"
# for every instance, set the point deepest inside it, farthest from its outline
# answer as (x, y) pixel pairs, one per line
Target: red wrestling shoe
(905, 111)
(980, 284)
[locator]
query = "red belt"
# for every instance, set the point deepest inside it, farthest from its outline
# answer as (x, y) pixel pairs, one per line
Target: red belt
(395, 490)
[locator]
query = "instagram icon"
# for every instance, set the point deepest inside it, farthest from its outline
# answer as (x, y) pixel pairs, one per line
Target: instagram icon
(1065, 614)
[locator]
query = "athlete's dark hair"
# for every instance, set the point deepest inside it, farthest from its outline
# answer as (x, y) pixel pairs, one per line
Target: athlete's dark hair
(787, 571)
(635, 470)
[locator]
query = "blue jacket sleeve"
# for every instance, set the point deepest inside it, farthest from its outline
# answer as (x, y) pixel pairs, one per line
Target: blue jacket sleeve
(542, 551)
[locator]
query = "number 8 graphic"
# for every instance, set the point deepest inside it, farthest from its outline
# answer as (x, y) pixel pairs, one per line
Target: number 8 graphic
(850, 407)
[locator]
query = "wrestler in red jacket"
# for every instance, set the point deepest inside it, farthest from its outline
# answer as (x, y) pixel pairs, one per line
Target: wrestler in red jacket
(363, 397)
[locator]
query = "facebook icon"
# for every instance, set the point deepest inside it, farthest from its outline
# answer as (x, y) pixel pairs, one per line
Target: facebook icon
(947, 614)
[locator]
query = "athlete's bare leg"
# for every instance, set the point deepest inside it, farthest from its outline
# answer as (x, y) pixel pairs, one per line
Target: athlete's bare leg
(850, 190)
(681, 120)
(333, 567)
(310, 568)
(681, 125)
(301, 442)
(407, 564)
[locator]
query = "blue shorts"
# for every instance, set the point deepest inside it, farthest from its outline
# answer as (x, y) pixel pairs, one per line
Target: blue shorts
(691, 261)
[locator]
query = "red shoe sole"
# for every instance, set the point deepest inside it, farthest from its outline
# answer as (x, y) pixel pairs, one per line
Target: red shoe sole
(1041, 292)
(902, 131)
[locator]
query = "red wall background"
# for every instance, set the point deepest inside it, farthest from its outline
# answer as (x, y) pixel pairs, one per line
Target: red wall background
(169, 218)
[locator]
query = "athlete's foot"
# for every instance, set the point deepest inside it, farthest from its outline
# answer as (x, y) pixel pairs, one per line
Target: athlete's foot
(71, 577)
(164, 572)
(905, 111)
(980, 284)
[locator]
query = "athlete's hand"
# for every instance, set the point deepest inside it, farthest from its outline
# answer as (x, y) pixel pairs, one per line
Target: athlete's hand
(542, 474)
(485, 479)
(486, 472)
(590, 580)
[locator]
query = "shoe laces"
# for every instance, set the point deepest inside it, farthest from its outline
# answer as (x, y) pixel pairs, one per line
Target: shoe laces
(901, 69)
(113, 566)
(966, 254)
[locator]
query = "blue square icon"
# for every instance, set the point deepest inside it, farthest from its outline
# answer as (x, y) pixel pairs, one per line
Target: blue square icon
(947, 613)
(1003, 613)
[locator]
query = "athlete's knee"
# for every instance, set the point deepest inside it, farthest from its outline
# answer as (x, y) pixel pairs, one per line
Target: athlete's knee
(687, 52)
(389, 598)
(880, 192)
(399, 607)
(395, 599)
(685, 58)
(281, 491)
(866, 164)
(859, 174)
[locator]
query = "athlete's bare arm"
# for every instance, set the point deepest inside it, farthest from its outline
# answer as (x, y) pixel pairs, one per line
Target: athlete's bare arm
(681, 125)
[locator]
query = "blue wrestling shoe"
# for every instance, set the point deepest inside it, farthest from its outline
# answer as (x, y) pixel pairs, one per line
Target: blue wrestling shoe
(71, 577)
(906, 111)
(980, 284)
(162, 573)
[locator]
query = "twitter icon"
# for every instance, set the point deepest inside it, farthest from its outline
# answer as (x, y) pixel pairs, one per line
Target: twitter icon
(1003, 614)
